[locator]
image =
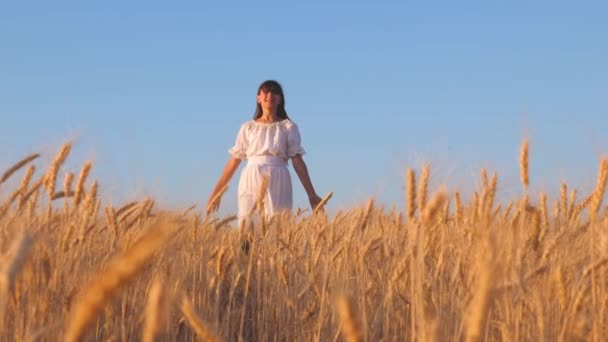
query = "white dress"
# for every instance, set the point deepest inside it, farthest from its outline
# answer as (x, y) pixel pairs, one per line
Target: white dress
(267, 147)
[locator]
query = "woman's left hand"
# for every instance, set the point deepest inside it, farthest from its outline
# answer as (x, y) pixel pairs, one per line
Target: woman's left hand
(314, 201)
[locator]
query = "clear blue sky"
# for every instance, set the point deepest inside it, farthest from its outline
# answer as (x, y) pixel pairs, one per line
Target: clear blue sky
(154, 92)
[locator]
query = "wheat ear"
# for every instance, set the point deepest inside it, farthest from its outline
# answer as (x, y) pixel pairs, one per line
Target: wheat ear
(8, 173)
(600, 188)
(82, 177)
(423, 187)
(51, 175)
(431, 209)
(106, 284)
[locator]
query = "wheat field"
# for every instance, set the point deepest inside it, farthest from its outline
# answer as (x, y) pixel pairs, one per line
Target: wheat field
(445, 268)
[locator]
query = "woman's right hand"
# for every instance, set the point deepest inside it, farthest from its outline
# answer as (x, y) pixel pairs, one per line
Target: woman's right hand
(213, 205)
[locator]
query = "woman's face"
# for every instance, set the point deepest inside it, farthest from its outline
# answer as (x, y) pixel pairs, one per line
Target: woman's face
(268, 100)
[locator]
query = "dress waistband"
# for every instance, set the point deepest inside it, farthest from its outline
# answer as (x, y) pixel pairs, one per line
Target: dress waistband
(266, 160)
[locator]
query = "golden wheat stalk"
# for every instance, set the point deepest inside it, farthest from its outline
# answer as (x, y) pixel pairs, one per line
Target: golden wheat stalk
(434, 205)
(543, 210)
(91, 199)
(350, 328)
(262, 193)
(200, 327)
(423, 187)
(366, 214)
(560, 287)
(154, 312)
(112, 222)
(61, 194)
(25, 181)
(571, 203)
(187, 210)
(563, 200)
(226, 221)
(118, 273)
(484, 179)
(283, 274)
(82, 177)
(6, 206)
(8, 173)
(600, 188)
(67, 189)
(459, 208)
(475, 206)
(411, 195)
(489, 197)
(482, 295)
(581, 206)
(51, 175)
(30, 192)
(524, 165)
(220, 266)
(535, 232)
(12, 263)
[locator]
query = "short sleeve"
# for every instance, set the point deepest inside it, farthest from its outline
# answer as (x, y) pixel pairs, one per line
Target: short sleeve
(239, 150)
(294, 142)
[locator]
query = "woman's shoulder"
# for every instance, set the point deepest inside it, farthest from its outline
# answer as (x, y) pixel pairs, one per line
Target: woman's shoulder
(289, 124)
(248, 125)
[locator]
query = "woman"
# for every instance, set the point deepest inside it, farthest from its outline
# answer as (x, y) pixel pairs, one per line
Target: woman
(267, 142)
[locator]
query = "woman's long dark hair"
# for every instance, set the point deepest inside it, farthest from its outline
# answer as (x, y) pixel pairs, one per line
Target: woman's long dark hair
(274, 87)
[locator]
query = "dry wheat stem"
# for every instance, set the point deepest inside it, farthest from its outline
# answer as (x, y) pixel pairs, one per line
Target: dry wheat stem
(200, 327)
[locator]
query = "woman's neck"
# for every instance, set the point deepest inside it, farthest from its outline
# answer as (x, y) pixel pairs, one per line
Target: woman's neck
(269, 117)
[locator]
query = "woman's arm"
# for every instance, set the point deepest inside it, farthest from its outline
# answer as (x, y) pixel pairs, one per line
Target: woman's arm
(302, 171)
(231, 166)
